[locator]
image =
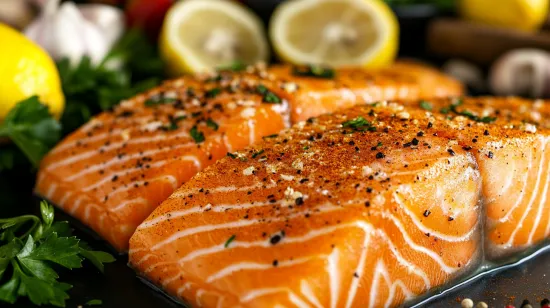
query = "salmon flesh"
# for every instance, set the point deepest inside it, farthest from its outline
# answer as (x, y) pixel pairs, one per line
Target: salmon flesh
(115, 170)
(371, 206)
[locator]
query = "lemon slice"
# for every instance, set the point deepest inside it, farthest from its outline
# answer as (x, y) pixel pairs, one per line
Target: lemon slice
(335, 32)
(201, 35)
(515, 14)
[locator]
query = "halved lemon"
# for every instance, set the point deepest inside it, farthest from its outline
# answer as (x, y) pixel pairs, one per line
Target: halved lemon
(202, 35)
(335, 32)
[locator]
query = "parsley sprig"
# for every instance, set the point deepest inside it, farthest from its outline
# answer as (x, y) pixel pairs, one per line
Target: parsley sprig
(468, 114)
(30, 249)
(33, 130)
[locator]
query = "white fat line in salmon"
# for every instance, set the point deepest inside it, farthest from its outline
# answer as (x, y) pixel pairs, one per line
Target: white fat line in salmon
(103, 136)
(309, 294)
(198, 209)
(293, 297)
(251, 133)
(534, 195)
(251, 266)
(124, 204)
(519, 200)
(313, 234)
(182, 193)
(449, 238)
(327, 207)
(359, 270)
(115, 160)
(114, 146)
(335, 276)
(51, 190)
(542, 202)
(381, 269)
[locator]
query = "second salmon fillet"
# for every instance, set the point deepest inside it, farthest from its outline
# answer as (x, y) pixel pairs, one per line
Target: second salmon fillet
(115, 170)
(369, 207)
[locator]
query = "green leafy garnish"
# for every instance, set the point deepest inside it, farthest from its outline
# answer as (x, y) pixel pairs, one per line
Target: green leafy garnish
(359, 124)
(270, 136)
(236, 66)
(197, 135)
(256, 154)
(31, 127)
(210, 123)
(268, 96)
(426, 105)
(468, 114)
(94, 302)
(315, 71)
(132, 66)
(159, 100)
(213, 92)
(30, 249)
(231, 239)
(231, 155)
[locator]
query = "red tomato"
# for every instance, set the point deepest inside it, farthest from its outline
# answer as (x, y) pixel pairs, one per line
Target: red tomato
(147, 15)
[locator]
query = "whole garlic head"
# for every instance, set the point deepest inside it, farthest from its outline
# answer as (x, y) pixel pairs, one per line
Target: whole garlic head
(64, 31)
(521, 72)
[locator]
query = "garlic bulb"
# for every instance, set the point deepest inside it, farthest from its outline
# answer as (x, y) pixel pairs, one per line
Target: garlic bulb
(522, 72)
(72, 31)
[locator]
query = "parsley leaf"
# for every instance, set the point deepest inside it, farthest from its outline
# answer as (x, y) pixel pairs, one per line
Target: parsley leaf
(426, 105)
(314, 71)
(359, 124)
(197, 135)
(231, 239)
(210, 123)
(268, 96)
(31, 127)
(29, 247)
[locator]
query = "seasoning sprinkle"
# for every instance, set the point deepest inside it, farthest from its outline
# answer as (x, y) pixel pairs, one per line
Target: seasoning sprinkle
(427, 213)
(380, 155)
(451, 152)
(231, 239)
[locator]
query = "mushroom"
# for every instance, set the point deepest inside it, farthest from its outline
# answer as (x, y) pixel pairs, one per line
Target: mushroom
(524, 72)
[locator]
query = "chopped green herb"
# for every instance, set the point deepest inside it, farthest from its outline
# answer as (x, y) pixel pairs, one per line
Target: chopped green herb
(231, 239)
(466, 113)
(231, 155)
(270, 136)
(197, 135)
(94, 302)
(260, 152)
(180, 118)
(31, 247)
(236, 66)
(159, 100)
(315, 71)
(170, 127)
(306, 147)
(213, 92)
(359, 124)
(426, 105)
(268, 96)
(210, 123)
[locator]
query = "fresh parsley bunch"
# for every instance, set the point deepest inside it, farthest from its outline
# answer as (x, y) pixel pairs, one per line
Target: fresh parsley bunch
(32, 129)
(30, 249)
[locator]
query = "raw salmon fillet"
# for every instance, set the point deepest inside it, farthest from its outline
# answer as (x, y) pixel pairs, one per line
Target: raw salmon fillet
(113, 171)
(368, 207)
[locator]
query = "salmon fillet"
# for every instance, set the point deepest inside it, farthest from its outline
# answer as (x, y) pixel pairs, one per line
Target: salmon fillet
(113, 171)
(368, 207)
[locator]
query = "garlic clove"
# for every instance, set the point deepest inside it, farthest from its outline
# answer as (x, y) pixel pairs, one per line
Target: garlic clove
(521, 72)
(16, 13)
(110, 20)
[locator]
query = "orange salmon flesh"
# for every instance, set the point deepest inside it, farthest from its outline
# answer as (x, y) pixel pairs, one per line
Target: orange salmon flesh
(115, 170)
(371, 206)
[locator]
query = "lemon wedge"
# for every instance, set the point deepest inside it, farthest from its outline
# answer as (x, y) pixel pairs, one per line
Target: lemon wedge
(27, 70)
(518, 14)
(335, 32)
(202, 35)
